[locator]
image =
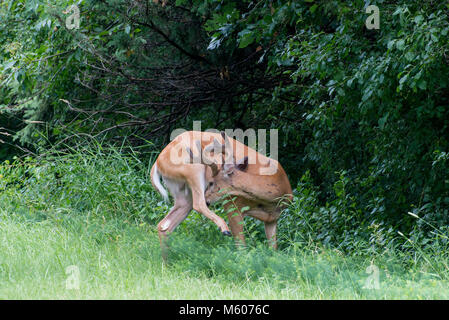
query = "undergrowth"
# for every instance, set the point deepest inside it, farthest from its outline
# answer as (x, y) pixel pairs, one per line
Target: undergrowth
(103, 197)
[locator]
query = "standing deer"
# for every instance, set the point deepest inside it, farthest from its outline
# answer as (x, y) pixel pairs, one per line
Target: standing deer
(196, 178)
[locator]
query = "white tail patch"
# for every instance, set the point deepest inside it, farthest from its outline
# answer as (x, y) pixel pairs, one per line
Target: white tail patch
(176, 188)
(157, 182)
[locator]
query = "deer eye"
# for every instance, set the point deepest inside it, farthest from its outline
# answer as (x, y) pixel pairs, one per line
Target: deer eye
(211, 184)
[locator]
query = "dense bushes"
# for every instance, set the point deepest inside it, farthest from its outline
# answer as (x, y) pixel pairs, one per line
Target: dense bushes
(362, 114)
(371, 114)
(104, 198)
(94, 180)
(95, 184)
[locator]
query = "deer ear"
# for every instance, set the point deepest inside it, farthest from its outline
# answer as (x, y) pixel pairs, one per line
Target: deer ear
(242, 165)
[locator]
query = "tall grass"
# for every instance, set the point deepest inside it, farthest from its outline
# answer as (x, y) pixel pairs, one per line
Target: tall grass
(94, 208)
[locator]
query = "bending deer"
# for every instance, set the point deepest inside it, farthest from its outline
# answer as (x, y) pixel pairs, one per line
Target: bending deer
(198, 176)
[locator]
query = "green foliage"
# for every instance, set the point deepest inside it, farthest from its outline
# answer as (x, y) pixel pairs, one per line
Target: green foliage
(370, 103)
(93, 179)
(94, 207)
(363, 112)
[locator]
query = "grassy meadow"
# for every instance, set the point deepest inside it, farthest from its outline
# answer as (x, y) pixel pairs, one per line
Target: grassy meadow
(95, 209)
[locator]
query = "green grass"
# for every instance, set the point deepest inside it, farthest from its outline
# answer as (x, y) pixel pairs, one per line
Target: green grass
(34, 257)
(96, 210)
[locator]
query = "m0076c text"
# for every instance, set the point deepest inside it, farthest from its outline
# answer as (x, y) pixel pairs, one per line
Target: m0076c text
(246, 309)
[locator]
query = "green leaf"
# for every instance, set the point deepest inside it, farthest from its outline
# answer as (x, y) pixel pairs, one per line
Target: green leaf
(422, 84)
(382, 121)
(391, 44)
(403, 79)
(400, 45)
(246, 40)
(9, 65)
(409, 56)
(418, 19)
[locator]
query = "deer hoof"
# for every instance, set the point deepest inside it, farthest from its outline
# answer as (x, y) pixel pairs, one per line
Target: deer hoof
(227, 233)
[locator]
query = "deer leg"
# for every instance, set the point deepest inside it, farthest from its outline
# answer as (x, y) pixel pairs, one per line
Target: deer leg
(197, 186)
(270, 223)
(182, 207)
(235, 219)
(236, 224)
(270, 232)
(199, 204)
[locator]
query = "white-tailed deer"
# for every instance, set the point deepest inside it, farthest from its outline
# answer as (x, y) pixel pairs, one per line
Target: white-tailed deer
(198, 168)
